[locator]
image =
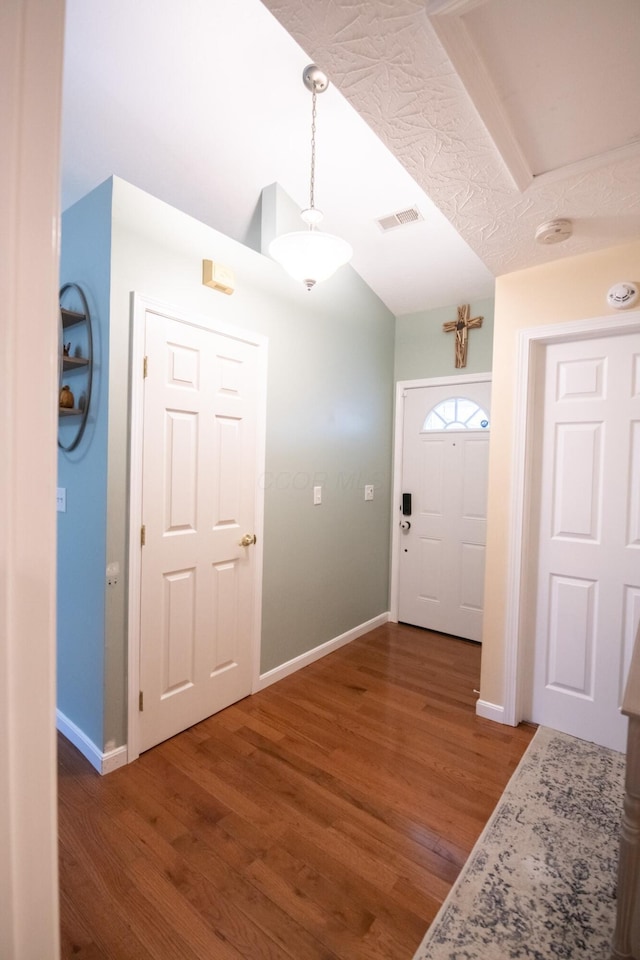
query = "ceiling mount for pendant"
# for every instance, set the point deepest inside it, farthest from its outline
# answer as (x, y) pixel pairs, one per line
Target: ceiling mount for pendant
(314, 79)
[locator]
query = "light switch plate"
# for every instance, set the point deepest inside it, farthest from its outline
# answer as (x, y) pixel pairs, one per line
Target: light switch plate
(61, 499)
(368, 491)
(113, 573)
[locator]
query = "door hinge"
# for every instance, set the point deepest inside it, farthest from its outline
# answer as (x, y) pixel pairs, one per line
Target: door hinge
(145, 367)
(141, 701)
(143, 535)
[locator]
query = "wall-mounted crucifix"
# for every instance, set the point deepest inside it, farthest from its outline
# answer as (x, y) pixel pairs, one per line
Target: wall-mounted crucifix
(461, 326)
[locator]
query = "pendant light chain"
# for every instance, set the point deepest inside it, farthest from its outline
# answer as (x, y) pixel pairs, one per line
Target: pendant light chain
(311, 255)
(312, 186)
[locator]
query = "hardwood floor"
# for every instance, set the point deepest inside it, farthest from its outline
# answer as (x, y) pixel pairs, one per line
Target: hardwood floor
(324, 818)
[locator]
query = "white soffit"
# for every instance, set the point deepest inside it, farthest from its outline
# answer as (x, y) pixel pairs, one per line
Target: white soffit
(387, 59)
(555, 81)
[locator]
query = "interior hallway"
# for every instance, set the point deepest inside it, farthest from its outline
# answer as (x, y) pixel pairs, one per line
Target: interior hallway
(324, 818)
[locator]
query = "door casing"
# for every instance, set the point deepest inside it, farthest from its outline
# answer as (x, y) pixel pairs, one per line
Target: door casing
(31, 56)
(140, 305)
(401, 387)
(519, 627)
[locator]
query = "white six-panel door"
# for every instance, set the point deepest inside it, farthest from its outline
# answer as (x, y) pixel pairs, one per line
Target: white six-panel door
(588, 591)
(198, 499)
(442, 543)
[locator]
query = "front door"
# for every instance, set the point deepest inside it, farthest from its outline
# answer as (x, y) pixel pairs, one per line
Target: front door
(197, 598)
(442, 543)
(588, 583)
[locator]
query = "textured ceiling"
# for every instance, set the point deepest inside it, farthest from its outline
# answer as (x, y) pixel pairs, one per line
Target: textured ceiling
(386, 59)
(442, 104)
(201, 103)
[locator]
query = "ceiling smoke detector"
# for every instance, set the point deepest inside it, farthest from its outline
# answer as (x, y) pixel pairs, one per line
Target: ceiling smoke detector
(622, 295)
(554, 231)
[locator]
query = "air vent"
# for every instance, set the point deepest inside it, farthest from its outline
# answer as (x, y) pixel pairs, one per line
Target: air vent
(399, 219)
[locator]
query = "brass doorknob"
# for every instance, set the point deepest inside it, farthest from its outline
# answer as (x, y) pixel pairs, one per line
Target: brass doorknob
(248, 539)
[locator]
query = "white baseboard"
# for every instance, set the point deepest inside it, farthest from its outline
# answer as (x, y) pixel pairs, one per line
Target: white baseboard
(102, 762)
(291, 666)
(490, 711)
(112, 759)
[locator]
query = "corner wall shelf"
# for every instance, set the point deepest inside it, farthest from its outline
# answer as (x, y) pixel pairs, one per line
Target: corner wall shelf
(79, 363)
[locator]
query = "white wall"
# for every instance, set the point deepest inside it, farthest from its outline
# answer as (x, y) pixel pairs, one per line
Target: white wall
(570, 289)
(31, 36)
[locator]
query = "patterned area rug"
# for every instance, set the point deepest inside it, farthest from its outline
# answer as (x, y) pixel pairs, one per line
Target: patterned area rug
(540, 882)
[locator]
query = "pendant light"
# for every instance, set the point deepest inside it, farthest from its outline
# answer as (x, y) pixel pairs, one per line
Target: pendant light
(311, 255)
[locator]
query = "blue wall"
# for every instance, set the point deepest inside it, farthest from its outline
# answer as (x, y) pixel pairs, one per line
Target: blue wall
(85, 259)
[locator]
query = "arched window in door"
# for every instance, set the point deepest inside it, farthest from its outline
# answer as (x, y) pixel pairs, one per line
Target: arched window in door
(456, 413)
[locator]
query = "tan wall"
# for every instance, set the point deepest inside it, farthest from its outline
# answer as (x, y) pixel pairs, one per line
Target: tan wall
(569, 289)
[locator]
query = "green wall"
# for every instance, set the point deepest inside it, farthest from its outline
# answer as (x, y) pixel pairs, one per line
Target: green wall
(423, 349)
(329, 409)
(329, 422)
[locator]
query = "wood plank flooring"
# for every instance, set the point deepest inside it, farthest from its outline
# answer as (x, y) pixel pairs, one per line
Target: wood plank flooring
(324, 818)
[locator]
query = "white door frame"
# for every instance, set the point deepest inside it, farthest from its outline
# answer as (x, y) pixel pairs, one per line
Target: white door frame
(519, 628)
(31, 51)
(139, 307)
(398, 439)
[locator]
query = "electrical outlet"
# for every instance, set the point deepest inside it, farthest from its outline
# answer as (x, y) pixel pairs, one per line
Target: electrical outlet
(317, 496)
(61, 499)
(368, 491)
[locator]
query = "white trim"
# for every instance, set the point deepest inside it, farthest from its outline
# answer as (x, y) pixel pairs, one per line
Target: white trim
(398, 436)
(113, 759)
(261, 453)
(80, 740)
(135, 523)
(490, 711)
(140, 305)
(447, 19)
(454, 380)
(31, 51)
(530, 351)
(102, 762)
(291, 666)
(396, 500)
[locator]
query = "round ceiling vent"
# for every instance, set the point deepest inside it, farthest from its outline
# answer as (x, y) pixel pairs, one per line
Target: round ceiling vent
(554, 231)
(622, 295)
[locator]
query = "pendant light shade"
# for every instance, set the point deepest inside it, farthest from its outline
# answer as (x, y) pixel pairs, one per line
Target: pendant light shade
(311, 255)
